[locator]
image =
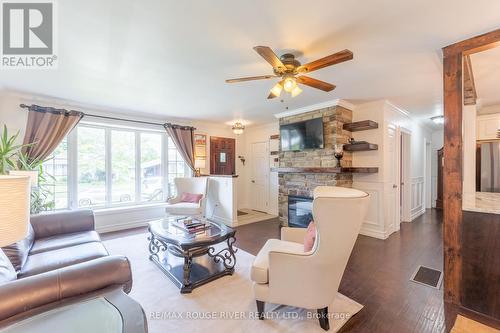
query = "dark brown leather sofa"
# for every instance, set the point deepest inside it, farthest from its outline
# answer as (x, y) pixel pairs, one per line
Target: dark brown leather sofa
(62, 257)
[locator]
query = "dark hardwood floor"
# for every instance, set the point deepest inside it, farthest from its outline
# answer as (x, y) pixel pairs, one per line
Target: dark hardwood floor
(378, 274)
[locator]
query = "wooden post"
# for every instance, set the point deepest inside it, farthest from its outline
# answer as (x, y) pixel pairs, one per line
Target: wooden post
(452, 172)
(452, 177)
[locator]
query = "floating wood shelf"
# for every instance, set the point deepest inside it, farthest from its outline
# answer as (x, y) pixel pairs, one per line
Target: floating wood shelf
(327, 170)
(361, 147)
(360, 126)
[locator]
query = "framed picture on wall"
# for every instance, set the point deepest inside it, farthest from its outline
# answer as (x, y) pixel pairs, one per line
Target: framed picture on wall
(200, 145)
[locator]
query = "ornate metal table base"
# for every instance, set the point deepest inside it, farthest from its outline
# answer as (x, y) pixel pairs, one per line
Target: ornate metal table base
(191, 268)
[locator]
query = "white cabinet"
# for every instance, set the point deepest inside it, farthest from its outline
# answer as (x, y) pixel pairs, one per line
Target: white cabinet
(488, 126)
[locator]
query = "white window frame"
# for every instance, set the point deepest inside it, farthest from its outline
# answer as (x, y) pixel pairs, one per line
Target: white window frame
(73, 165)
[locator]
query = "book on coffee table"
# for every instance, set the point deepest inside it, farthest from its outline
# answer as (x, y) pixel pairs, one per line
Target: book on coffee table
(190, 225)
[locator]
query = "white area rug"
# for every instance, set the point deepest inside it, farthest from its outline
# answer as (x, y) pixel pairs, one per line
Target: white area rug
(224, 305)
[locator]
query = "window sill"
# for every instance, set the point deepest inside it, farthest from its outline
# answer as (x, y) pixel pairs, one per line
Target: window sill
(124, 209)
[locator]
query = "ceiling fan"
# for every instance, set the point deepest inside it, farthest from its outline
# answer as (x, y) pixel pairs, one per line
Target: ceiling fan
(290, 71)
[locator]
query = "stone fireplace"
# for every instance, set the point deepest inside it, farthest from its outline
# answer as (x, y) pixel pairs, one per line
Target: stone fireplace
(302, 184)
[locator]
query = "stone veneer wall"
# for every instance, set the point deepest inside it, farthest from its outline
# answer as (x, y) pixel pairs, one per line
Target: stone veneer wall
(303, 184)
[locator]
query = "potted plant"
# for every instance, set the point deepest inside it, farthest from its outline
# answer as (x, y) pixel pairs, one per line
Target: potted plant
(8, 151)
(27, 168)
(14, 162)
(40, 194)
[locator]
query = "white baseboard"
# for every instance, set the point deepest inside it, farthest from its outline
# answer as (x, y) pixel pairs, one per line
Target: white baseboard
(123, 226)
(416, 214)
(226, 221)
(373, 233)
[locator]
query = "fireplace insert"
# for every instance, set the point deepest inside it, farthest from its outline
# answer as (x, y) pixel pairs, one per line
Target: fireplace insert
(299, 211)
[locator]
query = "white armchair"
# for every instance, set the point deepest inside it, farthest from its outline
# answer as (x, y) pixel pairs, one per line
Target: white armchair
(284, 274)
(194, 185)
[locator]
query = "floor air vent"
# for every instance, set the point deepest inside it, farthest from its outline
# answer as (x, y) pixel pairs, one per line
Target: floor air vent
(428, 276)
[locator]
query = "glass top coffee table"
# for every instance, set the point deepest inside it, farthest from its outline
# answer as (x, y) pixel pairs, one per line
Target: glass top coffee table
(191, 260)
(108, 312)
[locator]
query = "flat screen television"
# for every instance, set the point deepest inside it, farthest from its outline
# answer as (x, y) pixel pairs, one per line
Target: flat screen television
(302, 135)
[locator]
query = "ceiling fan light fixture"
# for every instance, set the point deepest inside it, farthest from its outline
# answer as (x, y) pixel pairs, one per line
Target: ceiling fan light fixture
(276, 90)
(289, 84)
(296, 91)
(238, 128)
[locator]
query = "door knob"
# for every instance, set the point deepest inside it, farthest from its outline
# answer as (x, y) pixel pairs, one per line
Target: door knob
(253, 181)
(394, 186)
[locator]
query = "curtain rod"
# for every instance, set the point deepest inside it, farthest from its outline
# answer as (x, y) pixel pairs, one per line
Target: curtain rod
(24, 106)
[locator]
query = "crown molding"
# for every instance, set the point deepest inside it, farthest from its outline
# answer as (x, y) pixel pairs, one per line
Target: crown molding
(313, 107)
(397, 108)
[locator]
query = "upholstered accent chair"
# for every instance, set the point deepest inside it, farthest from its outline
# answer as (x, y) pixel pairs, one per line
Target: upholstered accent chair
(283, 273)
(194, 185)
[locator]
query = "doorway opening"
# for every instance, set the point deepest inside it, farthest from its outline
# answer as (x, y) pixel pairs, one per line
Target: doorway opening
(427, 175)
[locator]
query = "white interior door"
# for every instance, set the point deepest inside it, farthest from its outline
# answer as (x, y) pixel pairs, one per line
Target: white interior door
(259, 181)
(393, 179)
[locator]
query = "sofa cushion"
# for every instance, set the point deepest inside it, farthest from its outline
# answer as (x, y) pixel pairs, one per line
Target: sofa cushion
(191, 197)
(260, 267)
(50, 260)
(7, 271)
(18, 252)
(64, 240)
(310, 237)
(183, 208)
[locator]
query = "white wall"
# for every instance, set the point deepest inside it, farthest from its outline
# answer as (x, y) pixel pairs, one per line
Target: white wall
(469, 149)
(378, 223)
(11, 114)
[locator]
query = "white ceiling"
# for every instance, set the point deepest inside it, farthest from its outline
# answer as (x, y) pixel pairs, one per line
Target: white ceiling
(171, 58)
(486, 70)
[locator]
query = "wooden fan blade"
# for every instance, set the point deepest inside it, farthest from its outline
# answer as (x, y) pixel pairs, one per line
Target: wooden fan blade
(268, 54)
(332, 59)
(250, 78)
(321, 85)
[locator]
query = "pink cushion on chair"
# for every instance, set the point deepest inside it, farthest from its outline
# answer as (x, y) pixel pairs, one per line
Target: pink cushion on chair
(191, 197)
(310, 237)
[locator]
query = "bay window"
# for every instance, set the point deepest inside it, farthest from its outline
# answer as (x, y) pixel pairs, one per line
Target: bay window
(91, 169)
(122, 170)
(100, 165)
(55, 178)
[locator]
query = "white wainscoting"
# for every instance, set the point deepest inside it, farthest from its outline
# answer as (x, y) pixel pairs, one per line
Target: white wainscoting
(374, 224)
(113, 219)
(417, 197)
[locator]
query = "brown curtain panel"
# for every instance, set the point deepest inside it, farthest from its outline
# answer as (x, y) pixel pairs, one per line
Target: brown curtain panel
(47, 127)
(183, 138)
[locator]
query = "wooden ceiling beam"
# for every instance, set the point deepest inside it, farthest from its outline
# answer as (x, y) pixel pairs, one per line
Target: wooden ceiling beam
(473, 45)
(470, 95)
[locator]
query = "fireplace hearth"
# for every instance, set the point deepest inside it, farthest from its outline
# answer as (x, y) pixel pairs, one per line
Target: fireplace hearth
(300, 172)
(299, 211)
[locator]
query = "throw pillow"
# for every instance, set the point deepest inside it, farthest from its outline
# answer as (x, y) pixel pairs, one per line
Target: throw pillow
(310, 237)
(191, 197)
(18, 252)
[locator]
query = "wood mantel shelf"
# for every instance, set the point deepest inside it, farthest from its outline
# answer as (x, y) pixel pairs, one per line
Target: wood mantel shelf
(360, 125)
(327, 170)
